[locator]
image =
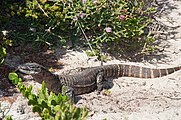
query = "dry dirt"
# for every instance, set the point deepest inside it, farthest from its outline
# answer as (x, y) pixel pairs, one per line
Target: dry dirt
(129, 98)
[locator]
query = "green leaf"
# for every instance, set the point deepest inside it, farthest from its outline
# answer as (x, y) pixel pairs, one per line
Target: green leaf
(32, 97)
(4, 50)
(19, 85)
(2, 54)
(22, 88)
(45, 114)
(12, 76)
(1, 60)
(26, 94)
(53, 102)
(8, 117)
(36, 108)
(15, 81)
(30, 88)
(64, 98)
(32, 102)
(42, 94)
(44, 104)
(57, 108)
(57, 116)
(77, 113)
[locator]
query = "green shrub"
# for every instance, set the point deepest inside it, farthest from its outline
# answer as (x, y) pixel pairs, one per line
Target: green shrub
(103, 21)
(49, 107)
(4, 42)
(8, 118)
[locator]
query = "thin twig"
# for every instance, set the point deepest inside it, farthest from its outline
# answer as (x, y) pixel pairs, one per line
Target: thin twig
(86, 38)
(41, 8)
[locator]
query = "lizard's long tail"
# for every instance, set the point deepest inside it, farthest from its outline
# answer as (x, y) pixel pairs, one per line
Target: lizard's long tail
(120, 70)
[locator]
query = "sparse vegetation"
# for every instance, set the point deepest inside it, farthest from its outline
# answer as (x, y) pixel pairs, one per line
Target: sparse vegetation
(4, 42)
(49, 106)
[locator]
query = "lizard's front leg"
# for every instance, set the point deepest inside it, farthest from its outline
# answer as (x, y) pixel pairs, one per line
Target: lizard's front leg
(69, 91)
(99, 80)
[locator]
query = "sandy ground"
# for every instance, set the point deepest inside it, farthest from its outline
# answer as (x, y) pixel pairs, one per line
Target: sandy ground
(133, 98)
(142, 99)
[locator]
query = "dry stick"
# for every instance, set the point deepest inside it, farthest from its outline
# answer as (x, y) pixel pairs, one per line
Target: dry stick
(41, 8)
(87, 39)
(79, 26)
(49, 29)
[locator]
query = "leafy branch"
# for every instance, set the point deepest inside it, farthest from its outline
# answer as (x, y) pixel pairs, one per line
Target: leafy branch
(49, 106)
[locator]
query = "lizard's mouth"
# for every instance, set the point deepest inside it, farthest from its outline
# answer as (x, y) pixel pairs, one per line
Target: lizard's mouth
(27, 70)
(30, 68)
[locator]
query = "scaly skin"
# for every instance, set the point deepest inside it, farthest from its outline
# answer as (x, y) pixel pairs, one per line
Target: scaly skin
(89, 79)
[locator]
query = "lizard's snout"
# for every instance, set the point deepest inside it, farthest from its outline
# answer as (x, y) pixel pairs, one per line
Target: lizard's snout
(28, 70)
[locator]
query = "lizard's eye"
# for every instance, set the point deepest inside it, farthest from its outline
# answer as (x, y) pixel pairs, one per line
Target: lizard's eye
(35, 69)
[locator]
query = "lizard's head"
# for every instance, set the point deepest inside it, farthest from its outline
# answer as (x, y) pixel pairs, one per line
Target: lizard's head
(40, 73)
(30, 68)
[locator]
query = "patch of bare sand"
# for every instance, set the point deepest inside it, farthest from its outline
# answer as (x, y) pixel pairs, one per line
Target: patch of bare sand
(133, 98)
